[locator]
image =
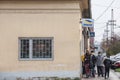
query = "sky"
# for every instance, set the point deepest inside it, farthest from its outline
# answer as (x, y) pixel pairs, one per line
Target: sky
(101, 13)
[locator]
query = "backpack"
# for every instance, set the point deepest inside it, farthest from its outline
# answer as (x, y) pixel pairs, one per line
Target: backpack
(107, 63)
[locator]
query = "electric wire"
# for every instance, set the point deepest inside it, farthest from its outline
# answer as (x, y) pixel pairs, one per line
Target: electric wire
(104, 11)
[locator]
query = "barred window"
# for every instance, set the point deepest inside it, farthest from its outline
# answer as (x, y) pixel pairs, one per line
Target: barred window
(36, 48)
(24, 48)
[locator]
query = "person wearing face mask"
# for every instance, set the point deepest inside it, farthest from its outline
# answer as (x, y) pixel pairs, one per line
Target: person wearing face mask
(99, 64)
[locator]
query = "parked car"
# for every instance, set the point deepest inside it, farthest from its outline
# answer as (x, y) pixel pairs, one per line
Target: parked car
(115, 58)
(115, 65)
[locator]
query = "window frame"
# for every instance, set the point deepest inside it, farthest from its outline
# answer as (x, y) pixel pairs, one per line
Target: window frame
(30, 48)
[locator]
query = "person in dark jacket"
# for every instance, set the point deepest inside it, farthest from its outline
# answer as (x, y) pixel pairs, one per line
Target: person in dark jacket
(87, 63)
(107, 63)
(92, 63)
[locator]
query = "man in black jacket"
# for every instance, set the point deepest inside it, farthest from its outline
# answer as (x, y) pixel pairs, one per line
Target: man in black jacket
(92, 63)
(107, 62)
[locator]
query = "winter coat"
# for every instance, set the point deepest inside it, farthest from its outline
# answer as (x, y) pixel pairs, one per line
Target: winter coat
(87, 59)
(107, 62)
(99, 60)
(92, 60)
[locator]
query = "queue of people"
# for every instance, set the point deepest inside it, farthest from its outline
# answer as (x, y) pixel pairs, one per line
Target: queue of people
(102, 63)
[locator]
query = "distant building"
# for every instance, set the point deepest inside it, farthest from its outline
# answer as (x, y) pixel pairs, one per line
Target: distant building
(42, 38)
(98, 48)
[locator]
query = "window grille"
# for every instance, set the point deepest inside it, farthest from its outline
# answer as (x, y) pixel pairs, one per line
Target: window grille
(36, 48)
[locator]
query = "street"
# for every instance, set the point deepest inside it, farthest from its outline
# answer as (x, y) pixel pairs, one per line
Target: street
(113, 76)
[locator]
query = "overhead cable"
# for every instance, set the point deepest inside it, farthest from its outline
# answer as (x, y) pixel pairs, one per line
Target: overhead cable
(104, 11)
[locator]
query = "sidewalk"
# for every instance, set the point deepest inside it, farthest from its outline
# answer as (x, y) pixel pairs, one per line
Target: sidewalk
(113, 76)
(96, 78)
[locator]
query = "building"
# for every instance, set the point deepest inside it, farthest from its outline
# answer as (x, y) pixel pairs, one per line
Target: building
(41, 38)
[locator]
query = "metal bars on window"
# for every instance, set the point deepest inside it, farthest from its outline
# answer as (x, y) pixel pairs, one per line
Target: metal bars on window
(24, 48)
(42, 48)
(36, 48)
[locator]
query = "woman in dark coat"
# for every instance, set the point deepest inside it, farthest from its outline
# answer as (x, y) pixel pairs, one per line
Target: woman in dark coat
(87, 63)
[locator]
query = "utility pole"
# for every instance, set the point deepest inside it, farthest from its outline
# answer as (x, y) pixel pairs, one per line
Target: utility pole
(107, 34)
(112, 24)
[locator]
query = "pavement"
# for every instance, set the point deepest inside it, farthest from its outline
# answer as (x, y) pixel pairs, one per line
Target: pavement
(113, 76)
(96, 78)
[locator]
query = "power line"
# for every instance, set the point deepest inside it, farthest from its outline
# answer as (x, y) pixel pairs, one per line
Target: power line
(105, 10)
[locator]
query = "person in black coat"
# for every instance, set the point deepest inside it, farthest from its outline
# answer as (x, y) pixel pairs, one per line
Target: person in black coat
(107, 63)
(92, 63)
(87, 63)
